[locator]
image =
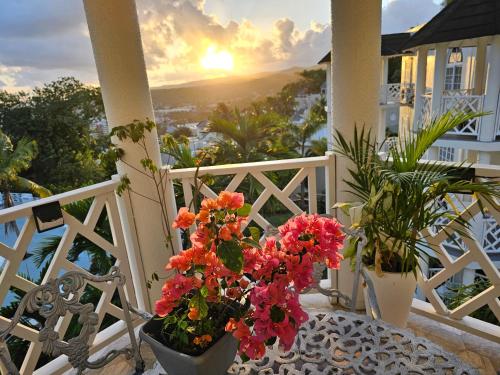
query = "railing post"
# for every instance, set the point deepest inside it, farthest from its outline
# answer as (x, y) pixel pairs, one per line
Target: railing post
(438, 81)
(488, 122)
(420, 86)
(330, 199)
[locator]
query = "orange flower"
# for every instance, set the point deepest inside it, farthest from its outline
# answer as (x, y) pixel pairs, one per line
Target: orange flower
(202, 340)
(231, 325)
(231, 201)
(184, 219)
(194, 313)
(225, 233)
(209, 204)
(203, 216)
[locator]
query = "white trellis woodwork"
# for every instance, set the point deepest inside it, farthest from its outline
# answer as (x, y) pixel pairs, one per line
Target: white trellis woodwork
(306, 169)
(474, 253)
(426, 114)
(458, 103)
(491, 235)
(104, 199)
(392, 93)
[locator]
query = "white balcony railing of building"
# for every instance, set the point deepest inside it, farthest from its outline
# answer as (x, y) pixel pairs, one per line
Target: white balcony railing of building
(455, 101)
(426, 113)
(318, 176)
(104, 202)
(464, 103)
(314, 170)
(394, 93)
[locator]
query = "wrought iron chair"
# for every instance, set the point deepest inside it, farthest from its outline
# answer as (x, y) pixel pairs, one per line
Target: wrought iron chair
(58, 297)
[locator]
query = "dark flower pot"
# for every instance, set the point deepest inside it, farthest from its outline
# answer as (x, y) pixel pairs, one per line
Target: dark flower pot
(215, 361)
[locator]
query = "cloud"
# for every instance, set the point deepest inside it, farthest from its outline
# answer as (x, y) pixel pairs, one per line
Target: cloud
(41, 40)
(400, 15)
(176, 34)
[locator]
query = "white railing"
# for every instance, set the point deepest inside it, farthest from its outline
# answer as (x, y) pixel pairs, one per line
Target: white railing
(315, 169)
(397, 93)
(426, 113)
(464, 103)
(455, 101)
(105, 201)
(498, 116)
(473, 252)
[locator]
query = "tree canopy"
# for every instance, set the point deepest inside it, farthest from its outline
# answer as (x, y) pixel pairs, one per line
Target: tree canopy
(58, 116)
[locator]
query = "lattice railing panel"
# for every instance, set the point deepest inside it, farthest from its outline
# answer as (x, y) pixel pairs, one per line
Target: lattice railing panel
(103, 201)
(464, 103)
(306, 169)
(472, 253)
(426, 114)
(491, 235)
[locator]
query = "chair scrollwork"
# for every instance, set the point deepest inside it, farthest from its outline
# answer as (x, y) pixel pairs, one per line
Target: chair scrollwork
(54, 300)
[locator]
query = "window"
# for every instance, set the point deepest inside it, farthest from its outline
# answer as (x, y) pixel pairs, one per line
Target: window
(446, 154)
(453, 77)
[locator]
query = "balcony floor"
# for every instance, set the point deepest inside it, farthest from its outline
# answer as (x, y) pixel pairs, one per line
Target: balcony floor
(477, 352)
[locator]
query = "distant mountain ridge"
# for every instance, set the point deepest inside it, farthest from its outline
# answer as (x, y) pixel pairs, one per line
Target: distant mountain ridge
(236, 90)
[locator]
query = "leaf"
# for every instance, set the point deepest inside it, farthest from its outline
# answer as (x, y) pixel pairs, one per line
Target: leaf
(200, 303)
(204, 291)
(270, 341)
(231, 255)
(245, 210)
(255, 233)
(277, 315)
(251, 242)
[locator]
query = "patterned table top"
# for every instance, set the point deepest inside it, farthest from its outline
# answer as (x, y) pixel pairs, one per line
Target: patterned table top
(347, 343)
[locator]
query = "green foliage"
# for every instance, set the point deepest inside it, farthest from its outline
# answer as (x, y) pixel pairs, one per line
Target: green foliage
(57, 116)
(460, 294)
(248, 135)
(181, 132)
(14, 161)
(231, 255)
(398, 193)
(179, 151)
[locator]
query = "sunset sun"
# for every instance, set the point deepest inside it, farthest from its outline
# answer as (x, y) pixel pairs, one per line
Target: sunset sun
(215, 59)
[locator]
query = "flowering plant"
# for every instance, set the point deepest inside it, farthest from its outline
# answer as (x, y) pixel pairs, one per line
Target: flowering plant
(227, 281)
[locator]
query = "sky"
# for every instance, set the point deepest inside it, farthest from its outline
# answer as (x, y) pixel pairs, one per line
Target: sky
(183, 40)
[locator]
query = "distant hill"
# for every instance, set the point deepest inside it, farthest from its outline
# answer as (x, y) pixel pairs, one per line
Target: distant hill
(238, 90)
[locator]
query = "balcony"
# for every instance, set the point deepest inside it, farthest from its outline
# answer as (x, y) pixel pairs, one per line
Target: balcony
(432, 317)
(397, 93)
(456, 101)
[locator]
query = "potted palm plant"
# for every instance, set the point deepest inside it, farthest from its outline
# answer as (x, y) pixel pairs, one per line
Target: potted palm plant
(398, 196)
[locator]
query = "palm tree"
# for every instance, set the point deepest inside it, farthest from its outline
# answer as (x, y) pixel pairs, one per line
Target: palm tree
(316, 120)
(13, 161)
(247, 135)
(318, 147)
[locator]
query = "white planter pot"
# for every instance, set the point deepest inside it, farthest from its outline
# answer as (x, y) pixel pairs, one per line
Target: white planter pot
(394, 293)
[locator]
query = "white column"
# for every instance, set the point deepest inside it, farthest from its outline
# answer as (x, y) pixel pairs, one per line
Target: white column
(487, 129)
(384, 71)
(329, 121)
(480, 67)
(438, 82)
(356, 27)
(420, 85)
(116, 41)
(382, 122)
